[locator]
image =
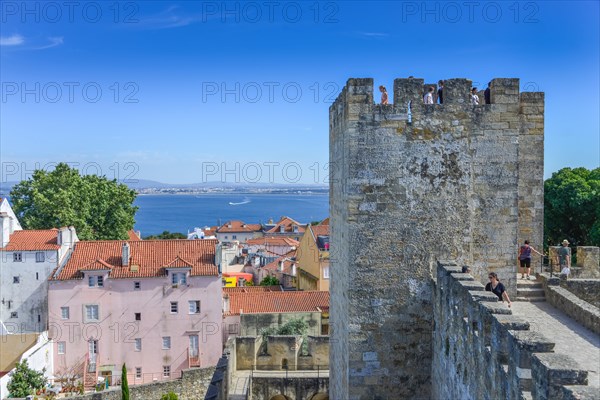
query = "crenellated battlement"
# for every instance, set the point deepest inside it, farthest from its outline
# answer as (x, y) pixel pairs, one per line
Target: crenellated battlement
(480, 347)
(360, 96)
(412, 184)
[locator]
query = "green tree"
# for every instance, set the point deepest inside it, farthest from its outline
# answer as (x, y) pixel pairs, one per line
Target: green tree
(572, 207)
(124, 384)
(98, 208)
(24, 380)
(169, 396)
(167, 235)
(269, 281)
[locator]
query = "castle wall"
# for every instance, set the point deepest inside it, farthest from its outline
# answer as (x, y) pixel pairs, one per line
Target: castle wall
(410, 184)
(482, 351)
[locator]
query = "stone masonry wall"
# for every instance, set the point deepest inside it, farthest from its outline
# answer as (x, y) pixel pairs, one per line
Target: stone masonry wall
(572, 297)
(192, 385)
(445, 181)
(588, 260)
(482, 351)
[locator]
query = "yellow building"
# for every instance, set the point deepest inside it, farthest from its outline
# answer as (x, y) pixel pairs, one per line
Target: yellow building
(313, 258)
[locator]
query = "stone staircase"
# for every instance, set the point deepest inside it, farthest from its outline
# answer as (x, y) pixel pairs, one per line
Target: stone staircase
(530, 290)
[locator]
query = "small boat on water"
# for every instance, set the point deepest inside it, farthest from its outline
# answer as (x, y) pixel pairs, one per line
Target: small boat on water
(246, 201)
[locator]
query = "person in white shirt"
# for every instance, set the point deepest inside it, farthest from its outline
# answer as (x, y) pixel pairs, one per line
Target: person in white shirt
(474, 97)
(428, 98)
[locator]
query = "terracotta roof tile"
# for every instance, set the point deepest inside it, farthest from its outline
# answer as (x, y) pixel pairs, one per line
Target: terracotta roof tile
(238, 226)
(325, 221)
(133, 235)
(33, 239)
(248, 289)
(287, 263)
(273, 241)
(277, 302)
(288, 224)
(320, 230)
(151, 256)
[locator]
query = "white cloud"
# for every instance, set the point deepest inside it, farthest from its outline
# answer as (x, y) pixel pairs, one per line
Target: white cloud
(54, 41)
(14, 40)
(374, 34)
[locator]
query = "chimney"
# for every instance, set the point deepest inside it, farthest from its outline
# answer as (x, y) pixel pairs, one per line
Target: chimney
(126, 254)
(281, 265)
(73, 236)
(64, 236)
(4, 229)
(226, 304)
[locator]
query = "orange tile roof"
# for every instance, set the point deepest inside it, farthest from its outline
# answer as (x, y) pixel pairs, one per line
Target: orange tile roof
(277, 302)
(273, 241)
(33, 239)
(133, 235)
(287, 223)
(248, 289)
(287, 263)
(210, 231)
(325, 221)
(152, 257)
(320, 230)
(239, 226)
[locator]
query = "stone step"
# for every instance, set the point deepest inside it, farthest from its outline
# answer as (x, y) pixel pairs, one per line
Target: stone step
(526, 396)
(533, 292)
(529, 284)
(531, 299)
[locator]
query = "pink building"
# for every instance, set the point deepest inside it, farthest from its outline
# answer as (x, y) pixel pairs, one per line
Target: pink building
(152, 304)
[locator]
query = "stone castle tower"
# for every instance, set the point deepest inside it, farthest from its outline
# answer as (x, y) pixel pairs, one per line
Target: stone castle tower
(411, 184)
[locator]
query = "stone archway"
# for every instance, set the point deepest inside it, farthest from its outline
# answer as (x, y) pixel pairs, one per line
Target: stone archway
(279, 397)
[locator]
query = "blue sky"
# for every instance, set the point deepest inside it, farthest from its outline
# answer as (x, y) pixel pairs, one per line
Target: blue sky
(187, 92)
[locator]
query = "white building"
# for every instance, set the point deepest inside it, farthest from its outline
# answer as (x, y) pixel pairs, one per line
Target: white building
(27, 258)
(238, 231)
(33, 347)
(6, 208)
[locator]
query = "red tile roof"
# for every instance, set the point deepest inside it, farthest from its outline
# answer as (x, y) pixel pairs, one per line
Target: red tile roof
(277, 302)
(152, 257)
(273, 241)
(287, 263)
(320, 230)
(33, 239)
(251, 289)
(325, 221)
(133, 235)
(288, 224)
(239, 227)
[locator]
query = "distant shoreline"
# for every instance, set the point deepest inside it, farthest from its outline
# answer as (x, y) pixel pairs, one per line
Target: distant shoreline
(302, 193)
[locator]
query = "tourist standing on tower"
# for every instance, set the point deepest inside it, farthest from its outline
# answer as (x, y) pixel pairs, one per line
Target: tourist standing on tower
(497, 288)
(384, 95)
(441, 91)
(474, 97)
(564, 258)
(525, 259)
(487, 94)
(428, 98)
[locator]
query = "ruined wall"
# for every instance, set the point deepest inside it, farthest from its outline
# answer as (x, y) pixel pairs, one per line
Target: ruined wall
(192, 385)
(444, 181)
(252, 353)
(482, 351)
